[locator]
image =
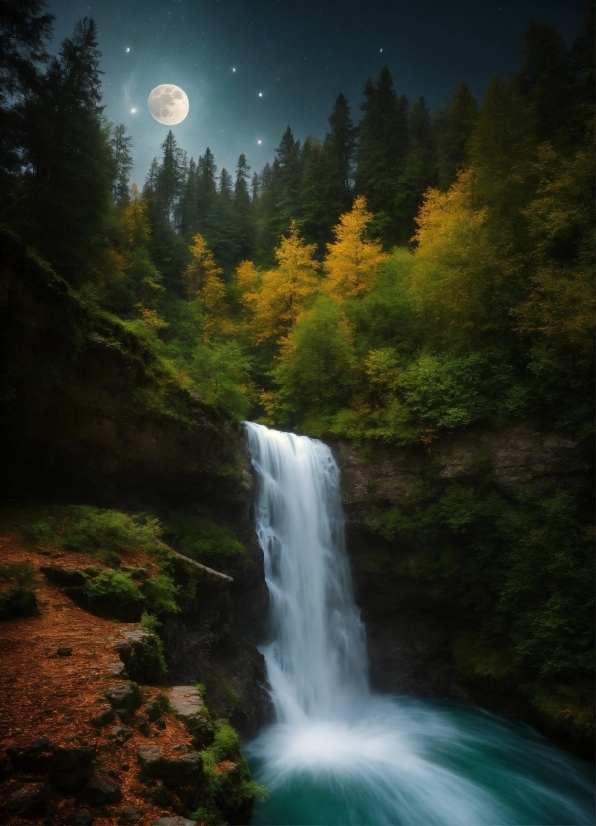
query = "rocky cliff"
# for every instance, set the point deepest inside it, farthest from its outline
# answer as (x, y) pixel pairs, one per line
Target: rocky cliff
(412, 619)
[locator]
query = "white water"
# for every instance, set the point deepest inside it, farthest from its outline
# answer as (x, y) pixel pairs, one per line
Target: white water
(338, 753)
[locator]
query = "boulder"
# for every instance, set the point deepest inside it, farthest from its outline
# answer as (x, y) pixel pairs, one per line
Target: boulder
(102, 792)
(34, 759)
(153, 711)
(186, 770)
(121, 734)
(124, 696)
(173, 821)
(29, 801)
(189, 707)
(72, 766)
(105, 715)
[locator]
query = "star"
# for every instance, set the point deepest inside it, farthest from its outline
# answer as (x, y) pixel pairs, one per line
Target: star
(260, 94)
(233, 69)
(133, 111)
(259, 142)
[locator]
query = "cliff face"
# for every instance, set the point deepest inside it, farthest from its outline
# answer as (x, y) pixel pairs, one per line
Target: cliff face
(412, 620)
(88, 416)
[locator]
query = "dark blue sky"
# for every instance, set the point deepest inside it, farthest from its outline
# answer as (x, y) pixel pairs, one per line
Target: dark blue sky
(298, 55)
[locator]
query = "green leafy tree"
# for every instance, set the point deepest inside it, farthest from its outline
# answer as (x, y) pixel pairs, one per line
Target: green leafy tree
(316, 366)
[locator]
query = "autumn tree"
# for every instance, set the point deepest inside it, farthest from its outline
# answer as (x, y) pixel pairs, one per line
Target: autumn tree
(247, 282)
(352, 260)
(288, 289)
(202, 280)
(454, 272)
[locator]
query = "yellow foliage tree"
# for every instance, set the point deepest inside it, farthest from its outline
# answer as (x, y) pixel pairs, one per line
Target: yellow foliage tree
(286, 291)
(456, 279)
(247, 279)
(202, 279)
(352, 260)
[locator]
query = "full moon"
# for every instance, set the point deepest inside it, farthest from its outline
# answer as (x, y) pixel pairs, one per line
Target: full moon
(168, 104)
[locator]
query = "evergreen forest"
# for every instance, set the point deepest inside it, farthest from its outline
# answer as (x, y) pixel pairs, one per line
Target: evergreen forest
(407, 276)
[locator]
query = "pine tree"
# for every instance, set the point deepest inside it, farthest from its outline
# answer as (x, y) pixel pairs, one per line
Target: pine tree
(206, 184)
(69, 158)
(121, 145)
(382, 150)
(169, 181)
(23, 28)
(453, 130)
(544, 81)
(243, 208)
(340, 143)
(286, 181)
(187, 218)
(319, 205)
(420, 172)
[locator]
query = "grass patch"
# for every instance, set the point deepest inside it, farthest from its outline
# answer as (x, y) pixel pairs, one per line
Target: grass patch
(106, 534)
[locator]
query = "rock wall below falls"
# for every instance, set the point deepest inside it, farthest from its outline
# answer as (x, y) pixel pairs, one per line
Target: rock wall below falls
(410, 620)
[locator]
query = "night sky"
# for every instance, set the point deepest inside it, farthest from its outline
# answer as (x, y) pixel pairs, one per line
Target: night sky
(252, 68)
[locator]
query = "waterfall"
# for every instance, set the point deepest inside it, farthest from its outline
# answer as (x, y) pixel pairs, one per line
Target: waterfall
(317, 660)
(338, 753)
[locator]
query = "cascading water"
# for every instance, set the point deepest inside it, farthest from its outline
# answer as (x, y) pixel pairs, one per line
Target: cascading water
(339, 754)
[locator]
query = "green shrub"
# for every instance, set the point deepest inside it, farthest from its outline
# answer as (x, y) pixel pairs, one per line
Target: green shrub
(17, 597)
(17, 602)
(160, 595)
(150, 622)
(108, 534)
(202, 538)
(113, 594)
(227, 795)
(23, 573)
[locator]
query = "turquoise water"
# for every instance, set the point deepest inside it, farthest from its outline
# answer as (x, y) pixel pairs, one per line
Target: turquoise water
(408, 761)
(339, 754)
